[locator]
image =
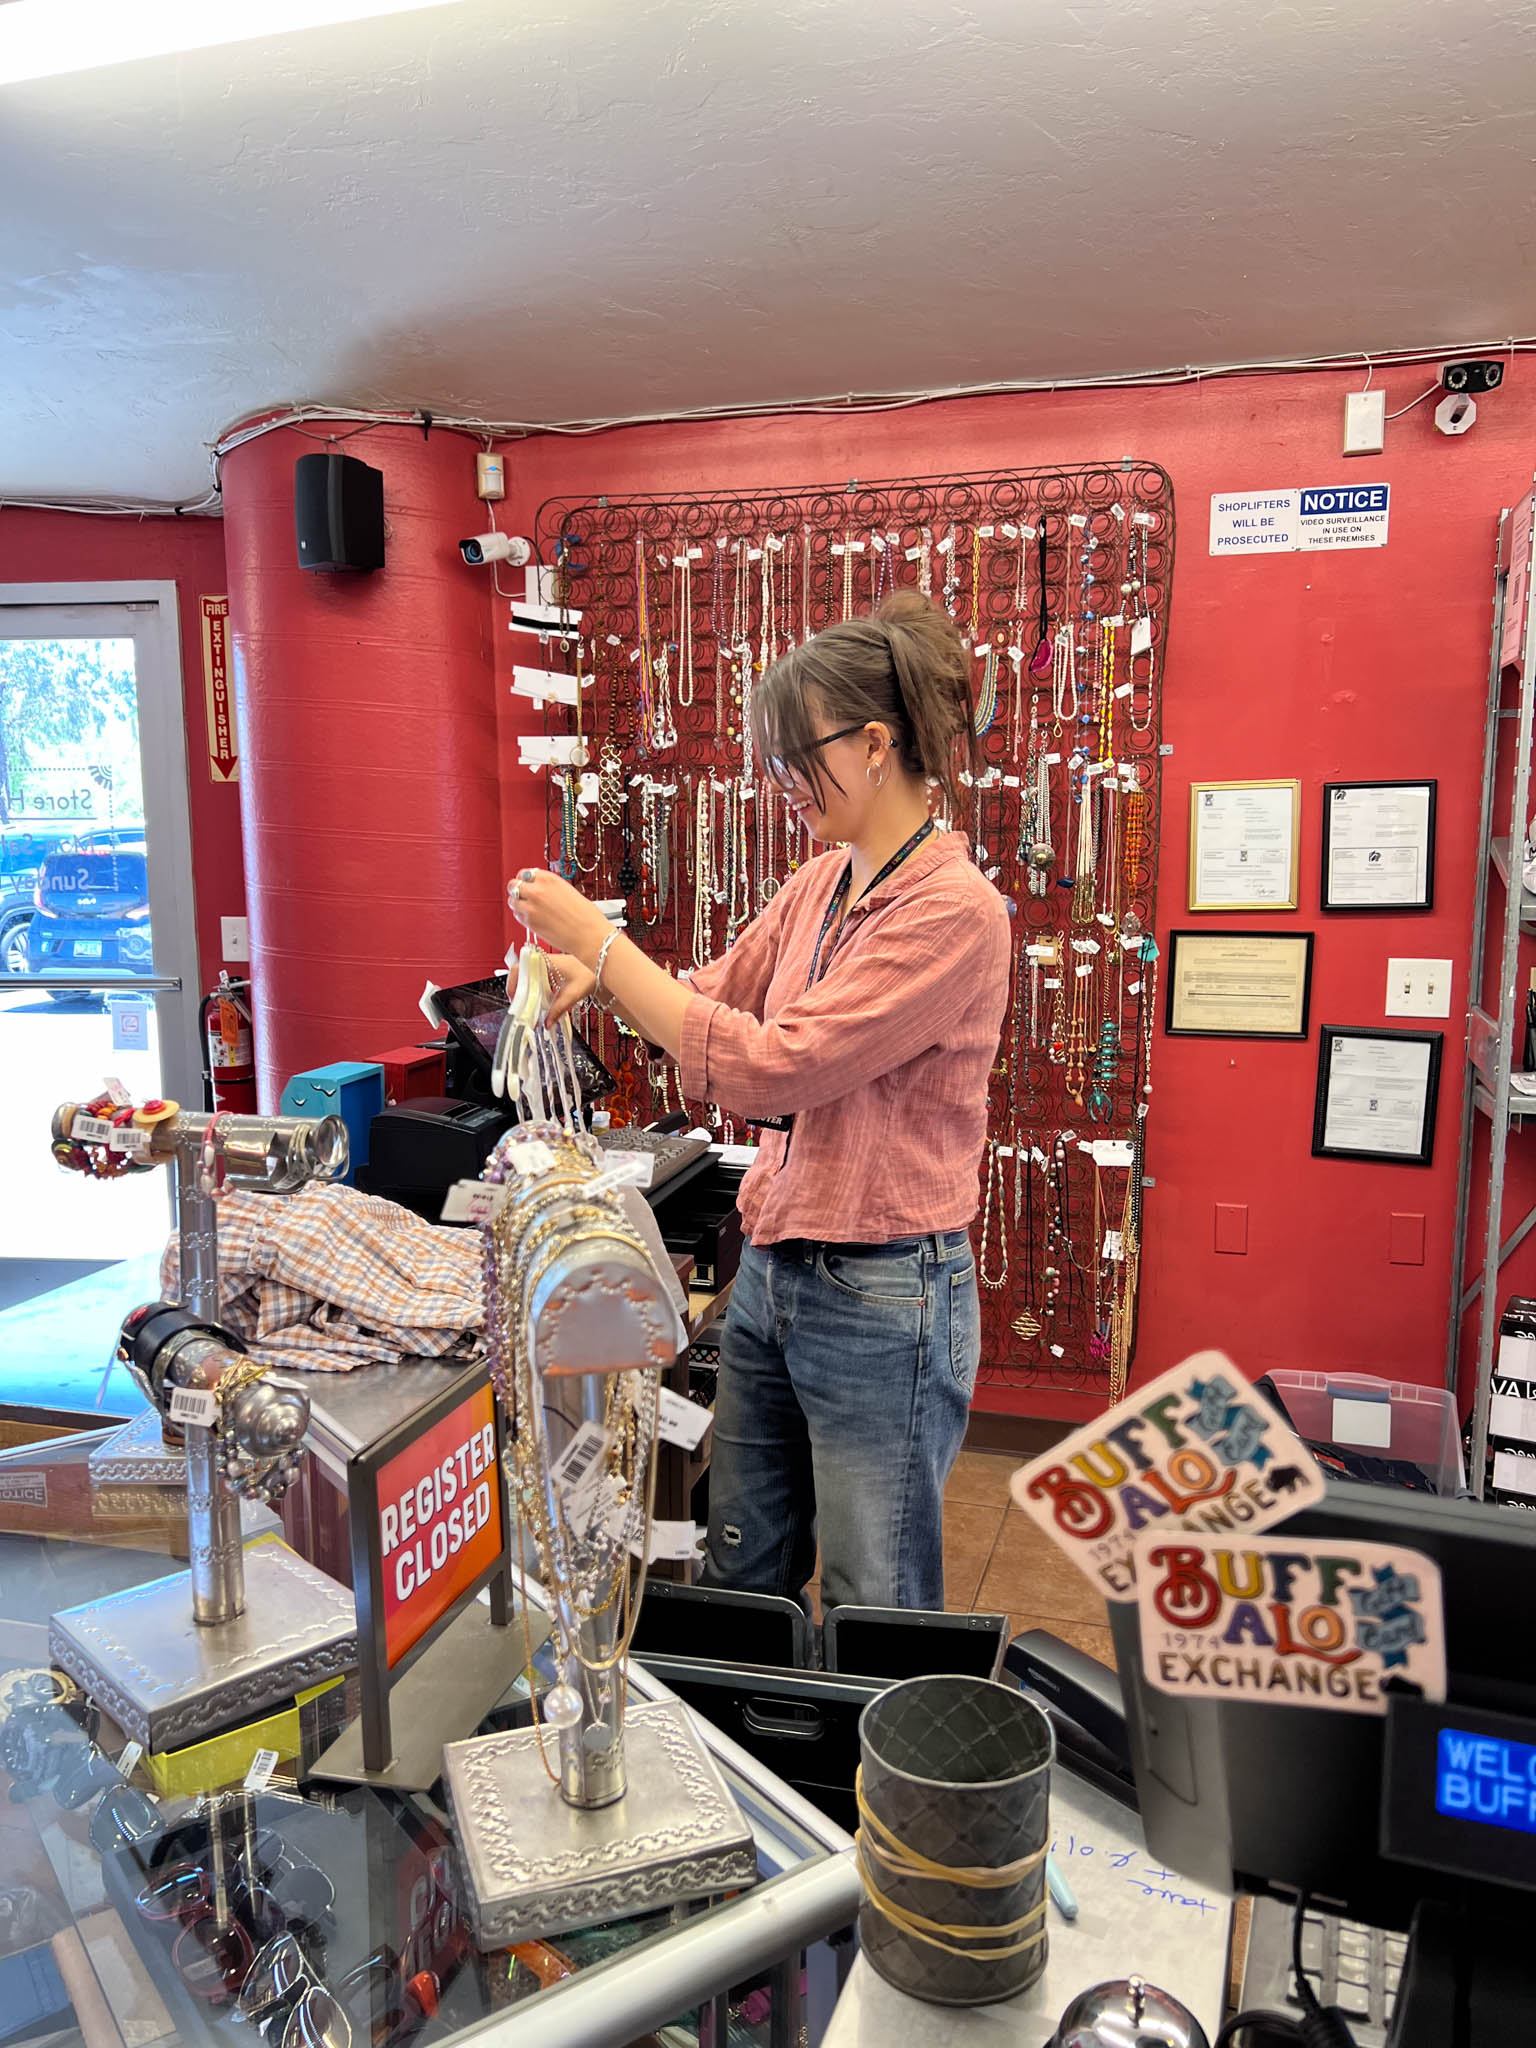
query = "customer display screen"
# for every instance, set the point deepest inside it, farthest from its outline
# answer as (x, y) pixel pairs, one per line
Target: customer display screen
(1486, 1778)
(1459, 1790)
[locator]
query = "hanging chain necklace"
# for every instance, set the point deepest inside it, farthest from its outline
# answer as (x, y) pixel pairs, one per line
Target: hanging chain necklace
(703, 871)
(995, 1277)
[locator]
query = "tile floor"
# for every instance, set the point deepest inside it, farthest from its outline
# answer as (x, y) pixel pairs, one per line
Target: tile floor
(997, 1561)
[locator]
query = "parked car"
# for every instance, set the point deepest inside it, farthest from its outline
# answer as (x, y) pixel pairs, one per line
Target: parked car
(91, 909)
(23, 849)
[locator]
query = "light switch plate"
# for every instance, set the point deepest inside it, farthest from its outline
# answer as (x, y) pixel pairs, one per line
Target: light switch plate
(235, 938)
(1419, 988)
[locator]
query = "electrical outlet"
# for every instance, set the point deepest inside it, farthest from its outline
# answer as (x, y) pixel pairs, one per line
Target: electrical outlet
(1419, 988)
(235, 938)
(1365, 422)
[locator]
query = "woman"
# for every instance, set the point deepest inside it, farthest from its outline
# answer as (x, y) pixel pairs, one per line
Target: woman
(857, 1021)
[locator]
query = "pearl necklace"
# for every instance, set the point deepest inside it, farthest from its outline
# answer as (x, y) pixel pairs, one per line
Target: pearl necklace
(997, 1278)
(703, 871)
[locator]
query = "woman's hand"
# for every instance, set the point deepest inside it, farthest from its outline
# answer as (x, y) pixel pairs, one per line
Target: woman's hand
(558, 914)
(574, 983)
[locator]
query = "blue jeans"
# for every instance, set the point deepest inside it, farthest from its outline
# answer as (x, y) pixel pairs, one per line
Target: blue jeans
(846, 1374)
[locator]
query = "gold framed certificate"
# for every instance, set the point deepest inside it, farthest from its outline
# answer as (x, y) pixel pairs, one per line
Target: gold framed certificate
(1244, 845)
(1239, 984)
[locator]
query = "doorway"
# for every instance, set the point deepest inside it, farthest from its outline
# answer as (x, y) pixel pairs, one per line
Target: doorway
(98, 958)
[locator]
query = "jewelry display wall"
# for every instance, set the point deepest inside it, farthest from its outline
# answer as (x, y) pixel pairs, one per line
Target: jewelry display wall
(672, 607)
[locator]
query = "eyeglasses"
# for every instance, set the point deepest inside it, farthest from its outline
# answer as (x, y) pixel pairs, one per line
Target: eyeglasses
(783, 772)
(376, 1999)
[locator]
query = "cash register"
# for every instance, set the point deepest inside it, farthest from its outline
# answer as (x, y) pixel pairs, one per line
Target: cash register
(1393, 1859)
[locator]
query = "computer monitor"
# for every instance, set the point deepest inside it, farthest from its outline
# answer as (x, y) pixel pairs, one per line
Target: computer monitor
(1259, 1798)
(474, 1012)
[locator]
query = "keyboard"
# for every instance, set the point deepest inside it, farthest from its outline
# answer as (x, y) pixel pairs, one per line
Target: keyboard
(1354, 1967)
(670, 1151)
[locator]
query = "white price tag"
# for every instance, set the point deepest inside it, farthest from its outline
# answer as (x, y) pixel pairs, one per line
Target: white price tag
(1078, 519)
(1012, 532)
(1010, 782)
(1130, 942)
(259, 1776)
(128, 1762)
(1088, 969)
(126, 1139)
(118, 1093)
(529, 1156)
(1085, 945)
(194, 1405)
(1050, 984)
(1125, 689)
(625, 1169)
(913, 553)
(682, 1422)
(90, 1130)
(1141, 636)
(1050, 760)
(578, 1471)
(475, 1201)
(1113, 1248)
(1111, 1151)
(984, 532)
(673, 1540)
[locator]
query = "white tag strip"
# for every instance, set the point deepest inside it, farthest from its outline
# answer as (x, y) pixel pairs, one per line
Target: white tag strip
(118, 1093)
(90, 1130)
(259, 1776)
(1111, 1151)
(475, 1201)
(682, 1422)
(128, 1762)
(625, 1169)
(673, 1540)
(1141, 636)
(578, 1471)
(194, 1405)
(529, 1156)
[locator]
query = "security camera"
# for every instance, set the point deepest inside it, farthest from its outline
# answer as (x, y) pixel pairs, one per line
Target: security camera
(1482, 373)
(1456, 414)
(482, 548)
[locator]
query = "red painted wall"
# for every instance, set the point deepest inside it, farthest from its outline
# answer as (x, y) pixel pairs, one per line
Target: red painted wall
(372, 793)
(46, 547)
(1368, 664)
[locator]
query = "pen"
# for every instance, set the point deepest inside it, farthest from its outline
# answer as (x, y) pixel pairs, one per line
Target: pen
(1060, 1891)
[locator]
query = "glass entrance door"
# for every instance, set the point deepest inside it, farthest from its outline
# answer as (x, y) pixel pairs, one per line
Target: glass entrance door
(98, 969)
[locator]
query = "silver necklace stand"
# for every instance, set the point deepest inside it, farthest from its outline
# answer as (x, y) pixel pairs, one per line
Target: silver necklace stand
(178, 1659)
(641, 1817)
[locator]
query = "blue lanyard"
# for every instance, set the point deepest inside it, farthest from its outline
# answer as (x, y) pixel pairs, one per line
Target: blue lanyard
(819, 967)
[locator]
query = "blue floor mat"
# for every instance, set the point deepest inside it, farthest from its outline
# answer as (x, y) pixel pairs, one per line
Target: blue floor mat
(54, 1349)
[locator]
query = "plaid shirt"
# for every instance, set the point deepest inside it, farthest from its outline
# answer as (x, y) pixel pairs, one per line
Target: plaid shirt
(884, 1062)
(328, 1278)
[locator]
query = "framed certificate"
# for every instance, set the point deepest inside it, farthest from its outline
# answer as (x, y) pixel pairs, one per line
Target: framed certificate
(1244, 845)
(1239, 984)
(1376, 1094)
(1379, 845)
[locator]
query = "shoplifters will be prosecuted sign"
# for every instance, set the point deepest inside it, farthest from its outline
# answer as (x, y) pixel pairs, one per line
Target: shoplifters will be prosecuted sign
(440, 1526)
(1305, 521)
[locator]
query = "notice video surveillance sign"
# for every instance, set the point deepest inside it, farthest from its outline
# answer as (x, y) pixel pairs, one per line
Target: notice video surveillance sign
(1308, 520)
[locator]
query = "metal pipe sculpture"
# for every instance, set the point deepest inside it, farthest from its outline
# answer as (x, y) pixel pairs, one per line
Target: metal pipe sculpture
(247, 1434)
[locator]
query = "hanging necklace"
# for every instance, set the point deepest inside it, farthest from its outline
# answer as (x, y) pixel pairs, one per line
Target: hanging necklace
(1027, 1324)
(1084, 881)
(682, 567)
(1141, 626)
(986, 702)
(995, 1277)
(1055, 987)
(703, 871)
(925, 560)
(1077, 1030)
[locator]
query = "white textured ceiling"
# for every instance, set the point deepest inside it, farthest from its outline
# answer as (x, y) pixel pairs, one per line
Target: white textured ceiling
(527, 210)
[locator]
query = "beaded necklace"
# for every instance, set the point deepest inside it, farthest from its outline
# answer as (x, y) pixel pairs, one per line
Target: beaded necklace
(997, 1277)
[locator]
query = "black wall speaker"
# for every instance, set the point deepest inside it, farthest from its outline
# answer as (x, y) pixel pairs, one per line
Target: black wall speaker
(338, 512)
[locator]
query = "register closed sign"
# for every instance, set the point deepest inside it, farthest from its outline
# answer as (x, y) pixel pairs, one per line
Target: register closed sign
(440, 1523)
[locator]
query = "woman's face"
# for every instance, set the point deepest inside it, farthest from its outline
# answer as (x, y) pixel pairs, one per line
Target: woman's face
(838, 814)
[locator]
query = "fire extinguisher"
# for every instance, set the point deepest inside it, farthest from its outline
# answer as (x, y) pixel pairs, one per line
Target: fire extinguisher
(229, 1078)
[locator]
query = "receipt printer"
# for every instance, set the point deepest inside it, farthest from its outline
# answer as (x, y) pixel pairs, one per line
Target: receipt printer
(418, 1149)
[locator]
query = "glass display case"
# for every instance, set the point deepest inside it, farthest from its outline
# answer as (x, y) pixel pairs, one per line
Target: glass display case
(141, 1904)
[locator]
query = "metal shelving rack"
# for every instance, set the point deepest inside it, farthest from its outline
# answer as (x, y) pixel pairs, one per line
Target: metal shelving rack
(1487, 1090)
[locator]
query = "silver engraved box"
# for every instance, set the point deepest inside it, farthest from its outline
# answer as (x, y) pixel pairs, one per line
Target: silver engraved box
(536, 1866)
(167, 1682)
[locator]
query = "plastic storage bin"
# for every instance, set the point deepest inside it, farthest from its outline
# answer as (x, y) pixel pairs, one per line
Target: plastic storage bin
(1379, 1419)
(350, 1089)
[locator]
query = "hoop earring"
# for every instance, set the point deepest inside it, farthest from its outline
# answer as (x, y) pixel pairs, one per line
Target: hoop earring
(869, 778)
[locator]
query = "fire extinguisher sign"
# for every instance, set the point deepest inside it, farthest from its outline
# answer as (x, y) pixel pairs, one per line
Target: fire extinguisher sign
(223, 754)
